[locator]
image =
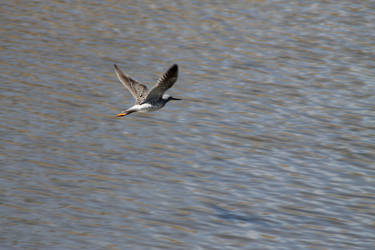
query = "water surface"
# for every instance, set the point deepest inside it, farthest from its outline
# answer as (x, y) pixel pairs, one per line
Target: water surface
(272, 148)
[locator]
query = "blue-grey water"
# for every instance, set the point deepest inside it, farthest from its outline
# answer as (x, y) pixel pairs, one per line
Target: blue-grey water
(273, 146)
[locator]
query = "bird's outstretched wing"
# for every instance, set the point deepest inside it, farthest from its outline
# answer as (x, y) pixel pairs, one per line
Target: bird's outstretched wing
(165, 82)
(138, 90)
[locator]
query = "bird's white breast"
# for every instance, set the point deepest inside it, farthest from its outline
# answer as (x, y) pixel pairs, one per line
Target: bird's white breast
(146, 107)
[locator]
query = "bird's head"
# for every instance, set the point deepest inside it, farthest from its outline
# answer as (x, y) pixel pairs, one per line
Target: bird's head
(168, 98)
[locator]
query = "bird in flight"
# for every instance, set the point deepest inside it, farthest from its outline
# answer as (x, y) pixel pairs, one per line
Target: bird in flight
(148, 100)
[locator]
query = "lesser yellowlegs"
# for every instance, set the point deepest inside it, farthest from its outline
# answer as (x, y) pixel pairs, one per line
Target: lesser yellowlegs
(147, 101)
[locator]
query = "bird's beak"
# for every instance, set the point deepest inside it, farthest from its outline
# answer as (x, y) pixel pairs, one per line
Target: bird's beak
(176, 99)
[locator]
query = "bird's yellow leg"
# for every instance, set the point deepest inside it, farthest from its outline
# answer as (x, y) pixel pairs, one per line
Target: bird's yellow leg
(121, 114)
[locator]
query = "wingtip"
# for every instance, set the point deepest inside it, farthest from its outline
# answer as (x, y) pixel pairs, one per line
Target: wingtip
(114, 65)
(173, 68)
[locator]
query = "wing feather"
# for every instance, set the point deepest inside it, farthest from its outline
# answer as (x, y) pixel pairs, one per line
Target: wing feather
(165, 82)
(138, 90)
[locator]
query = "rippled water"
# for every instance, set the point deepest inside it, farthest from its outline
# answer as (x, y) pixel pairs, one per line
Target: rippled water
(272, 147)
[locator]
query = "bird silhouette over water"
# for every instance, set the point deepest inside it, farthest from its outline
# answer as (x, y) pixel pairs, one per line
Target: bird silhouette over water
(148, 101)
